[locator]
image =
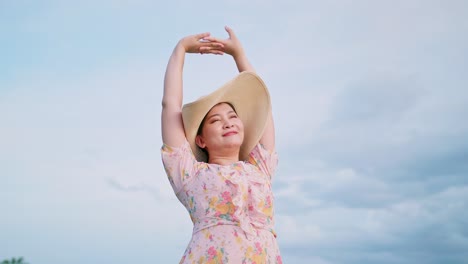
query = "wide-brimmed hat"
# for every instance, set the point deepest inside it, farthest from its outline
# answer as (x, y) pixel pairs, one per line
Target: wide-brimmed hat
(248, 94)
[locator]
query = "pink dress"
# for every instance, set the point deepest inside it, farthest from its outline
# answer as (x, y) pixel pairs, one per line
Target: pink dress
(231, 206)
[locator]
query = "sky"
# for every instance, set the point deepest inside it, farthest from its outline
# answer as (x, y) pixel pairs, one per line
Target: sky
(369, 99)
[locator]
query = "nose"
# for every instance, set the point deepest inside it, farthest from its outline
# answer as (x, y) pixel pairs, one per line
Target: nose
(228, 123)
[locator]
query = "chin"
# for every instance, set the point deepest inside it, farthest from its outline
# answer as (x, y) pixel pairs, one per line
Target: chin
(234, 144)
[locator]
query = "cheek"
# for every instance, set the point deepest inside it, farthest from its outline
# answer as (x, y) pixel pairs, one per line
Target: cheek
(240, 125)
(209, 130)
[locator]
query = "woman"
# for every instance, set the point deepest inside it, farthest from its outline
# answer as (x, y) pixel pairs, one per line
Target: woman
(219, 155)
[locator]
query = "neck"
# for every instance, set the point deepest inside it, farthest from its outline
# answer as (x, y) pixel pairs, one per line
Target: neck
(223, 160)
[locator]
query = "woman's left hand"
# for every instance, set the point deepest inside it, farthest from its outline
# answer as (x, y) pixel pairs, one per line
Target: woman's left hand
(231, 45)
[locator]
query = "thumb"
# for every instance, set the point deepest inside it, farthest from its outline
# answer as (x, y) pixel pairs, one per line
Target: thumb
(230, 32)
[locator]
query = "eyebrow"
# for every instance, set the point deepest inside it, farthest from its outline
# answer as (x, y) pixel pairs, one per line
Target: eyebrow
(213, 115)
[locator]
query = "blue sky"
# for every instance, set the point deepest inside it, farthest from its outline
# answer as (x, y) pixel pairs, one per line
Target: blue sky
(369, 99)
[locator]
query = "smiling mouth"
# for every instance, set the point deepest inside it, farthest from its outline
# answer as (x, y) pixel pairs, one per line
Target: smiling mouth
(230, 134)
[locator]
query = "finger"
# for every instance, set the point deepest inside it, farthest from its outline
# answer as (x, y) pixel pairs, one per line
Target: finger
(213, 39)
(230, 32)
(215, 52)
(202, 35)
(209, 49)
(212, 44)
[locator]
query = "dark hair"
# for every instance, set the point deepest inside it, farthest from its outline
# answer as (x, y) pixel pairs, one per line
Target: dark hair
(200, 128)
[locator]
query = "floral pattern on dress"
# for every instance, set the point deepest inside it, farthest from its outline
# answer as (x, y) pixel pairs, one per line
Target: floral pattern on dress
(222, 206)
(231, 206)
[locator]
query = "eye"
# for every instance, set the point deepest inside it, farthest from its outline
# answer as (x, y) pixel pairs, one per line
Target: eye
(233, 116)
(214, 120)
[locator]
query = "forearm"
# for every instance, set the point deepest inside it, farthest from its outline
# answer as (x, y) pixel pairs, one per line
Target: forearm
(172, 95)
(242, 62)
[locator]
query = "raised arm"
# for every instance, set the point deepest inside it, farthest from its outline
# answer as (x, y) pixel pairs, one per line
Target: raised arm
(171, 117)
(233, 47)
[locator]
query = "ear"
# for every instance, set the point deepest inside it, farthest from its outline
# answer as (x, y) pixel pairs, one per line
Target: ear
(200, 141)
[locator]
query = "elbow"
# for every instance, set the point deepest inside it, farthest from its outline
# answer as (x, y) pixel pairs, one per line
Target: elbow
(164, 103)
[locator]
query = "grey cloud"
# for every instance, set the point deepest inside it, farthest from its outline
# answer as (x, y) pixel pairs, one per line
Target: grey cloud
(432, 229)
(377, 98)
(369, 99)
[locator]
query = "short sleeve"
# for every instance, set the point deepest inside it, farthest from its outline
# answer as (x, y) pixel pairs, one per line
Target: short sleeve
(179, 163)
(263, 159)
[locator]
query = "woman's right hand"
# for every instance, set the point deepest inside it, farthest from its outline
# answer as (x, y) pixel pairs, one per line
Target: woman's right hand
(200, 44)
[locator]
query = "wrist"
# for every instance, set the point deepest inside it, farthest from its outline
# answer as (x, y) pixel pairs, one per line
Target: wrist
(180, 48)
(239, 56)
(180, 45)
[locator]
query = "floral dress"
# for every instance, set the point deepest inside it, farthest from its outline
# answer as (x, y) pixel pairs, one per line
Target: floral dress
(231, 206)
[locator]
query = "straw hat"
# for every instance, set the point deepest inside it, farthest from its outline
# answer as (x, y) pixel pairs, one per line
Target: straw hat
(251, 100)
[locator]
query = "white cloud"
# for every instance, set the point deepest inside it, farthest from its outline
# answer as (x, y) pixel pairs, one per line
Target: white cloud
(369, 102)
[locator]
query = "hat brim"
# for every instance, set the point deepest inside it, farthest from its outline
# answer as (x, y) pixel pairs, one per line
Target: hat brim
(250, 97)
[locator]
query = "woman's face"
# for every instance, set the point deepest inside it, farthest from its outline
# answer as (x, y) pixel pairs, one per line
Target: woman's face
(222, 129)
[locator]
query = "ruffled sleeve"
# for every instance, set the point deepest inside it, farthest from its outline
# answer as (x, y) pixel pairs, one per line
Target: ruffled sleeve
(264, 160)
(179, 163)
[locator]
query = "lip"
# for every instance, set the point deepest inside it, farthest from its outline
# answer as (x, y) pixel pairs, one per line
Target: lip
(230, 133)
